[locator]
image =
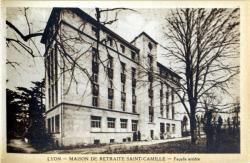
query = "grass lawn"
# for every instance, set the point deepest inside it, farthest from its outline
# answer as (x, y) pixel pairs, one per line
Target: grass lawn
(229, 144)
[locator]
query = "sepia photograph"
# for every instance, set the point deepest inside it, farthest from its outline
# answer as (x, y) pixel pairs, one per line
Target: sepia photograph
(123, 80)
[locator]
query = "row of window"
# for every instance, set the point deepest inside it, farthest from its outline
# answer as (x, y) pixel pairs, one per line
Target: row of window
(110, 42)
(52, 75)
(53, 124)
(95, 86)
(169, 128)
(168, 103)
(111, 123)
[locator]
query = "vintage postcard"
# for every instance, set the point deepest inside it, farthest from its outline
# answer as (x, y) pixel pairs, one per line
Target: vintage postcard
(125, 81)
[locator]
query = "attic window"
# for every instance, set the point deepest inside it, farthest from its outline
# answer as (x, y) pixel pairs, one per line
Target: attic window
(150, 46)
(122, 48)
(110, 41)
(133, 55)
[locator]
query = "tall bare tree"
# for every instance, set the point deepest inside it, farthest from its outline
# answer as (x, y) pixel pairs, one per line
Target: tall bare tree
(204, 43)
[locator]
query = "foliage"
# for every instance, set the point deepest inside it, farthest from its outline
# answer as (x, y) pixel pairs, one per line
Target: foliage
(28, 102)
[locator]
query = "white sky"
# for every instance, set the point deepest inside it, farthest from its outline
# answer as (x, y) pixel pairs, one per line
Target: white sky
(128, 26)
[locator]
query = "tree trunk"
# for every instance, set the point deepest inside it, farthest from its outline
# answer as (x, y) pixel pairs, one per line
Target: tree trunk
(193, 128)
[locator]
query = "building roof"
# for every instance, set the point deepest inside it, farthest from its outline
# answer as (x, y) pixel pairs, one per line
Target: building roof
(144, 33)
(168, 70)
(88, 18)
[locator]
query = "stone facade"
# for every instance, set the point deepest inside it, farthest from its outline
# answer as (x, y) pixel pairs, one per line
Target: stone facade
(79, 111)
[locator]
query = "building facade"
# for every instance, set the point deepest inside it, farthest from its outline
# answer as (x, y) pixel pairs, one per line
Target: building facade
(105, 92)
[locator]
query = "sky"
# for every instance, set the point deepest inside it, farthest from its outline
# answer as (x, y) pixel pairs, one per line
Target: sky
(129, 25)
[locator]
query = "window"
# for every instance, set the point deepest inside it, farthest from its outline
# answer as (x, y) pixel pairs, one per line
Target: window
(133, 91)
(133, 73)
(123, 67)
(134, 108)
(167, 103)
(161, 110)
(173, 112)
(152, 134)
(52, 124)
(112, 140)
(162, 127)
(57, 123)
(133, 55)
(123, 87)
(95, 101)
(151, 102)
(122, 48)
(52, 74)
(134, 125)
(167, 113)
(151, 117)
(110, 41)
(111, 122)
(110, 103)
(123, 76)
(110, 94)
(151, 114)
(150, 60)
(49, 125)
(95, 122)
(150, 46)
(110, 61)
(173, 128)
(123, 105)
(168, 127)
(96, 141)
(123, 123)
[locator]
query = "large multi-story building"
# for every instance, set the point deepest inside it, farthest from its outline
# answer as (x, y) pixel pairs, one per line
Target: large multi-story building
(108, 91)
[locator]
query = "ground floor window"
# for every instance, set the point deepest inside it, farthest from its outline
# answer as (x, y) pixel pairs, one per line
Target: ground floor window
(134, 125)
(168, 127)
(53, 124)
(57, 123)
(111, 122)
(96, 141)
(152, 134)
(124, 123)
(162, 127)
(173, 128)
(95, 122)
(49, 125)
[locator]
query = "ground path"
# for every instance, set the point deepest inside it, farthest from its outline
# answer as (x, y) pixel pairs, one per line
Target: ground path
(20, 146)
(114, 147)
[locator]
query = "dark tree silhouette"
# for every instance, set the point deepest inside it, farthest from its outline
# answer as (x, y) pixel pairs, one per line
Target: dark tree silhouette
(16, 115)
(36, 130)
